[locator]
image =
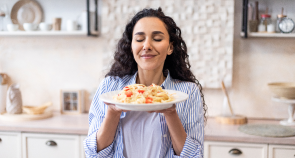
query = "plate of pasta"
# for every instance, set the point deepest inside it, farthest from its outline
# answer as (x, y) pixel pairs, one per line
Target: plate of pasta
(138, 97)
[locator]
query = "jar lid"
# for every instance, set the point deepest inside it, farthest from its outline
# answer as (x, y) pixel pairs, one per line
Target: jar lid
(281, 16)
(265, 16)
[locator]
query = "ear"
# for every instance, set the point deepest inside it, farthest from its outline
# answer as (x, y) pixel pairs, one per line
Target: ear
(170, 48)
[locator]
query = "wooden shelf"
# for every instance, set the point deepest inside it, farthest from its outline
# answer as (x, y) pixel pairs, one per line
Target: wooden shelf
(45, 33)
(255, 34)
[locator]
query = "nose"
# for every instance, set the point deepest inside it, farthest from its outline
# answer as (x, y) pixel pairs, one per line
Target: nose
(147, 45)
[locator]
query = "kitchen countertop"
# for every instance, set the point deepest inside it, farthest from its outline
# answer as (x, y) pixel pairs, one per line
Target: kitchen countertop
(78, 124)
(219, 132)
(61, 124)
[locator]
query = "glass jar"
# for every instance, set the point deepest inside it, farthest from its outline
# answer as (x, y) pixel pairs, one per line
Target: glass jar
(280, 17)
(264, 21)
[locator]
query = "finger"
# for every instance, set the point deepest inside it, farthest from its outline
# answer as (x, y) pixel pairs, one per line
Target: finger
(108, 103)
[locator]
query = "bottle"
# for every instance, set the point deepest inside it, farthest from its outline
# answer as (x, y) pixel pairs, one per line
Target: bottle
(264, 21)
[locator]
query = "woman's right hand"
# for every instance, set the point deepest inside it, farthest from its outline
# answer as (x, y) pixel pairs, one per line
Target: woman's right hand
(114, 110)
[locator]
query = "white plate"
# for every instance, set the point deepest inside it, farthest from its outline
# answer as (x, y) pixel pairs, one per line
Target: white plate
(178, 97)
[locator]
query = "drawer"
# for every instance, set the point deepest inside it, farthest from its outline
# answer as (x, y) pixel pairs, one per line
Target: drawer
(10, 144)
(281, 151)
(50, 145)
(82, 138)
(234, 150)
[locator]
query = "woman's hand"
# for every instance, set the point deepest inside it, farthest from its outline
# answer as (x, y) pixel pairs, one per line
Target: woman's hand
(114, 110)
(169, 111)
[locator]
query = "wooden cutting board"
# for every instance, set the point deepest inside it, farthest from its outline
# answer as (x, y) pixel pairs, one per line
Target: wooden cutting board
(232, 120)
(25, 117)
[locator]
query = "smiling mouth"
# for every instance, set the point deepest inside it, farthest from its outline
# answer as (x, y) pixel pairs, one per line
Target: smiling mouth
(147, 56)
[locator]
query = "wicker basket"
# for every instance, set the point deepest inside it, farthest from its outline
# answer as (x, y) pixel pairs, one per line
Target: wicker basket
(283, 89)
(35, 110)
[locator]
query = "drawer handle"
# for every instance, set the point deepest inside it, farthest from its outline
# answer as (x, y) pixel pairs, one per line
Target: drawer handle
(0, 140)
(51, 143)
(235, 152)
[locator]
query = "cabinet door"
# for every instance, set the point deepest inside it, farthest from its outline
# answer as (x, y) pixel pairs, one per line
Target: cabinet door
(281, 151)
(50, 146)
(10, 144)
(82, 138)
(234, 150)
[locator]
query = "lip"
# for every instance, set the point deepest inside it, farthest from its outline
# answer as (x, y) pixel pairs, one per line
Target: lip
(147, 56)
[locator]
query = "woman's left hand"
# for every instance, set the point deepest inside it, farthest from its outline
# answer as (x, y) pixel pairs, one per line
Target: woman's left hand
(171, 110)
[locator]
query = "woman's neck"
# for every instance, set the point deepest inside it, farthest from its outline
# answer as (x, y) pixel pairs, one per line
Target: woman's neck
(148, 77)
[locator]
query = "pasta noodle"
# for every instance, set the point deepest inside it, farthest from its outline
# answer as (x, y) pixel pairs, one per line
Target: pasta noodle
(140, 94)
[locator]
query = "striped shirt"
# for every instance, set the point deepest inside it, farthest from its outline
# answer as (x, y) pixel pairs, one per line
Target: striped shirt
(190, 113)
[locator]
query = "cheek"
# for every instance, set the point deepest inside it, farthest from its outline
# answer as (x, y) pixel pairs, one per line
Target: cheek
(163, 48)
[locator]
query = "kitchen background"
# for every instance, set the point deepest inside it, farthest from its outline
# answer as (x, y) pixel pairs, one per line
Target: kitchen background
(43, 65)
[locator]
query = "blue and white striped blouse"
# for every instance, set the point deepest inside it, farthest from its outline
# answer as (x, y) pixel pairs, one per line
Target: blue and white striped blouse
(190, 113)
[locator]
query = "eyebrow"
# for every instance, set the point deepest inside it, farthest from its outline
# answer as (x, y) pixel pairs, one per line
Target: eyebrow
(154, 32)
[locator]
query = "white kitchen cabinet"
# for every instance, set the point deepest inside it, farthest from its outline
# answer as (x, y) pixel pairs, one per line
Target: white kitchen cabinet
(50, 145)
(234, 150)
(82, 138)
(281, 151)
(10, 144)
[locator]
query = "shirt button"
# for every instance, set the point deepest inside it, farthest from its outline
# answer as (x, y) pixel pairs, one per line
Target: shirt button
(165, 135)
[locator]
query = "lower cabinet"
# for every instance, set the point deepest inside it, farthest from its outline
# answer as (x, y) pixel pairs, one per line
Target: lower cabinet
(82, 138)
(281, 151)
(231, 150)
(10, 144)
(50, 145)
(35, 145)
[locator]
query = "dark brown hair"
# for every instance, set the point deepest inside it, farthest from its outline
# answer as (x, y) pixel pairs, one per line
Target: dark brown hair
(177, 63)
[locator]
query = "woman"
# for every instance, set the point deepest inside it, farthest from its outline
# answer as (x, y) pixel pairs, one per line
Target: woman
(150, 51)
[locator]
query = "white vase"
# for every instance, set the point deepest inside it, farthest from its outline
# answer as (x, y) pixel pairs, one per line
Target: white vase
(14, 102)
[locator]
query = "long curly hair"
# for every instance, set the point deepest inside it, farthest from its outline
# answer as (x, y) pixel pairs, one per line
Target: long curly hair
(177, 63)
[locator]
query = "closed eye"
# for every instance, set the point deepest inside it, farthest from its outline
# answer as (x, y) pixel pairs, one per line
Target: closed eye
(158, 40)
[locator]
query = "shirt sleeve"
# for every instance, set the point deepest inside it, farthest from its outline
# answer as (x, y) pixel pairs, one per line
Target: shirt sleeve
(96, 116)
(194, 126)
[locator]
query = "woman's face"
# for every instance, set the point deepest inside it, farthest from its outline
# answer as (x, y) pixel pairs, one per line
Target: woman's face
(150, 43)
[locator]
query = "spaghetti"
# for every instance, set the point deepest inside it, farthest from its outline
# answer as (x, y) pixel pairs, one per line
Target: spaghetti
(140, 94)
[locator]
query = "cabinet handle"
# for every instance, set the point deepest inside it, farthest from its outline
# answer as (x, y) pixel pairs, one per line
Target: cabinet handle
(235, 152)
(0, 140)
(51, 143)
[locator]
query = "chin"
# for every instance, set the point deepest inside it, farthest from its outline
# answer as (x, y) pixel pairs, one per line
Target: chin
(148, 67)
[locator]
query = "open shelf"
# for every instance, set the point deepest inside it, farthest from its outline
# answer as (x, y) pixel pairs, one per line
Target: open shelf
(45, 33)
(256, 34)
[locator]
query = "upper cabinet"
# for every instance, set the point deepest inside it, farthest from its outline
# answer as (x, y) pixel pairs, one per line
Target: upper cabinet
(40, 17)
(268, 18)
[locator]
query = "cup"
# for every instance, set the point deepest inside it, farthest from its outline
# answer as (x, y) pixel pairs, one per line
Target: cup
(29, 26)
(12, 27)
(71, 25)
(57, 24)
(45, 26)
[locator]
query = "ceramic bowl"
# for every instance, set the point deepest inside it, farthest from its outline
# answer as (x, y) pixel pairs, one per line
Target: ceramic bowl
(30, 26)
(12, 27)
(45, 27)
(283, 89)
